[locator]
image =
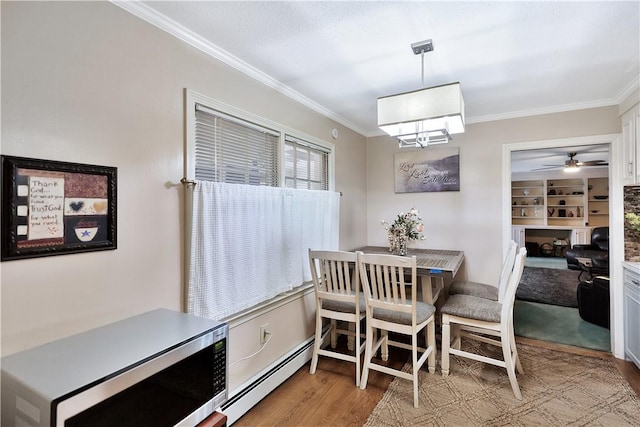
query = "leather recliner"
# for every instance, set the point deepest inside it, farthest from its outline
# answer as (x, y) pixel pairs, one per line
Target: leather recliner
(597, 251)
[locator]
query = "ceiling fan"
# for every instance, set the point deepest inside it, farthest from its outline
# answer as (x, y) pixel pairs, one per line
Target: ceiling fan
(573, 165)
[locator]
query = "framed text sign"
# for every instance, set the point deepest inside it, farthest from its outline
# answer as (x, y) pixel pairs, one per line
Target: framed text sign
(51, 208)
(427, 170)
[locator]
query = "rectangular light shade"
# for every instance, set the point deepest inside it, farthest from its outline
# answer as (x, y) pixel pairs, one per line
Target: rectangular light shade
(424, 110)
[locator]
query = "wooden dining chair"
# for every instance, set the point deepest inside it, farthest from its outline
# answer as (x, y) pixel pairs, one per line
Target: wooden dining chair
(390, 287)
(486, 321)
(493, 292)
(336, 282)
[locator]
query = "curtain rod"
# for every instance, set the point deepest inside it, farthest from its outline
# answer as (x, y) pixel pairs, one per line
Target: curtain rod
(186, 181)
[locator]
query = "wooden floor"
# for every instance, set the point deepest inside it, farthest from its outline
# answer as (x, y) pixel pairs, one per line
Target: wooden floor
(330, 397)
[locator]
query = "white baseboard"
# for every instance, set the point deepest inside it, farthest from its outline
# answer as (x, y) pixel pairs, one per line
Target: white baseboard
(254, 390)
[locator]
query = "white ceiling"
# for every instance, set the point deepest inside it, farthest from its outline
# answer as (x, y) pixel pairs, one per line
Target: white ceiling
(512, 58)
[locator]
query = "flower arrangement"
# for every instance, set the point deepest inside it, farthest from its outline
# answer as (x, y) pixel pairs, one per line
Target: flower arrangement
(407, 226)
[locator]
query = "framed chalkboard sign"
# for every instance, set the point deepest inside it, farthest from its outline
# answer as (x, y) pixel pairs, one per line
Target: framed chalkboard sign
(53, 208)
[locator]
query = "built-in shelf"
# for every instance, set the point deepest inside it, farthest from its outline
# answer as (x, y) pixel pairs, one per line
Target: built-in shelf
(560, 202)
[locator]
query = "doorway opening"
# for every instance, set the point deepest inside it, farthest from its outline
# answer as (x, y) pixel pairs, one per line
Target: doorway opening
(550, 209)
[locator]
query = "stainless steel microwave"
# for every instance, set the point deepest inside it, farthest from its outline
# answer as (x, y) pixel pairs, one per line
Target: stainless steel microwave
(161, 368)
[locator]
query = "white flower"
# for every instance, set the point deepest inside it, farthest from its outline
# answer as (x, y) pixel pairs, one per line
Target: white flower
(407, 226)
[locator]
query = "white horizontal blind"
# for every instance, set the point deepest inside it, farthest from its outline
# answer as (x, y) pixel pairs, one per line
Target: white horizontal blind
(234, 151)
(305, 165)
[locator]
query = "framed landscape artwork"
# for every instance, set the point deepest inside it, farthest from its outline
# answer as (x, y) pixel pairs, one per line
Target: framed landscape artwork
(51, 208)
(427, 170)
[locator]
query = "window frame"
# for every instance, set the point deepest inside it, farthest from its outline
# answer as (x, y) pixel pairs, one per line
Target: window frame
(192, 98)
(310, 149)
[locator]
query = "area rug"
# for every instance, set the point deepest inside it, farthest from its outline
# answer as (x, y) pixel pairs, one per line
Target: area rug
(549, 286)
(558, 389)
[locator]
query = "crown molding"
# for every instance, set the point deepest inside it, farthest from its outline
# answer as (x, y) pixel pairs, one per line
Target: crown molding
(629, 89)
(544, 110)
(159, 20)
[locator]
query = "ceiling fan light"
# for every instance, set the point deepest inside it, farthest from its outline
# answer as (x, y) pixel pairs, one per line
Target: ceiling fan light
(571, 168)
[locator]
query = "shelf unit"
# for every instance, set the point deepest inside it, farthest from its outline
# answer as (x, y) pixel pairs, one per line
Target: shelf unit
(598, 210)
(528, 202)
(567, 202)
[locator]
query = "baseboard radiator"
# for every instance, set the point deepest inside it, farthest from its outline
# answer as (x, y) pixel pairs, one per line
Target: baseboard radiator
(264, 383)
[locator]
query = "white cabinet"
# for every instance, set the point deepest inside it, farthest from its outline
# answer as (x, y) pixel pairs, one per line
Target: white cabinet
(517, 234)
(632, 314)
(580, 236)
(630, 141)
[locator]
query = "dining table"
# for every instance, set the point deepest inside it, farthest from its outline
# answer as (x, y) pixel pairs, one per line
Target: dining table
(433, 267)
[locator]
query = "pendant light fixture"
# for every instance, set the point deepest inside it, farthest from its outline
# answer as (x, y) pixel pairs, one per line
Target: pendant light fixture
(423, 117)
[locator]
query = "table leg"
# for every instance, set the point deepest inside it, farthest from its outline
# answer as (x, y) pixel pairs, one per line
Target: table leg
(427, 291)
(427, 285)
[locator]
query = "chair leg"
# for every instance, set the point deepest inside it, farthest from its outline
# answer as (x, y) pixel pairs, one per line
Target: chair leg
(357, 351)
(446, 341)
(316, 345)
(455, 333)
(350, 338)
(334, 333)
(367, 356)
(510, 362)
(415, 370)
(514, 350)
(431, 343)
(384, 352)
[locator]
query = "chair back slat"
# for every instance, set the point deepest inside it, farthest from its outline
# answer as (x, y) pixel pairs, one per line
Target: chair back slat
(385, 279)
(403, 287)
(335, 274)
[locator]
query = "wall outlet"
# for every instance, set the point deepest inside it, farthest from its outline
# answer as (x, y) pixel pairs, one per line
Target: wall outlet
(264, 333)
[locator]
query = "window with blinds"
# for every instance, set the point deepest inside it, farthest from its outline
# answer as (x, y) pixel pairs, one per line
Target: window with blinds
(305, 165)
(231, 150)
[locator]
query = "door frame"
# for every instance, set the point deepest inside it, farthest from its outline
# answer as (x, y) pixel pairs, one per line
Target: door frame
(616, 215)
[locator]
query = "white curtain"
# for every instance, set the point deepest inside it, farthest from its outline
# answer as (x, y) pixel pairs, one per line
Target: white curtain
(249, 243)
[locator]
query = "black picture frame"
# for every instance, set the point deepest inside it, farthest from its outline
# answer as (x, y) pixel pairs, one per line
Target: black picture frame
(55, 208)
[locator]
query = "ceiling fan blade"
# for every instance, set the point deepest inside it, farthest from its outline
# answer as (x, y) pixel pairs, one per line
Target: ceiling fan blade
(548, 167)
(594, 163)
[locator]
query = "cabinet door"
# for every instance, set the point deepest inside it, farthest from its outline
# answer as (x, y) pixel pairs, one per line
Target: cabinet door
(580, 236)
(629, 146)
(631, 320)
(517, 234)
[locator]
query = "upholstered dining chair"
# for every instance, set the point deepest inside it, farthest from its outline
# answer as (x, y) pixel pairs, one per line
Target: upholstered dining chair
(484, 290)
(336, 282)
(390, 287)
(480, 319)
